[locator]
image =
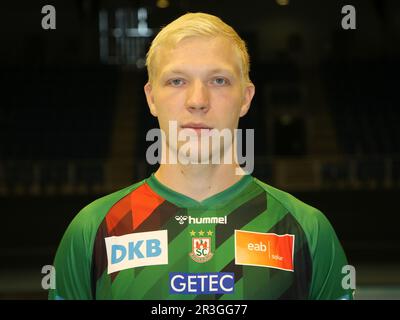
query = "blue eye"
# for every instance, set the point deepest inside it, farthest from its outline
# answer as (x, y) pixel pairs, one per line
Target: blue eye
(220, 81)
(176, 82)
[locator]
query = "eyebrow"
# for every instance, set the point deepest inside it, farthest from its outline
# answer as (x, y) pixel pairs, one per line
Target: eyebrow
(212, 71)
(220, 70)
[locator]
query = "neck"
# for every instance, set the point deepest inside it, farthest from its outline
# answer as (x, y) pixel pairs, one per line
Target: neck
(198, 181)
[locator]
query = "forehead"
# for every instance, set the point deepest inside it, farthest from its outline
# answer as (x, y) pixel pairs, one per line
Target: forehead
(199, 53)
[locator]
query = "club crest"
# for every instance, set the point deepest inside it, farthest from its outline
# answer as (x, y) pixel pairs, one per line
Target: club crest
(201, 249)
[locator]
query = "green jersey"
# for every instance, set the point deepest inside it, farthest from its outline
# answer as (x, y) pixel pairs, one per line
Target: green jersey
(250, 241)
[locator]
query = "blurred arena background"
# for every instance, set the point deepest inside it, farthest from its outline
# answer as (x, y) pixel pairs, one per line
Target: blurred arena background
(73, 119)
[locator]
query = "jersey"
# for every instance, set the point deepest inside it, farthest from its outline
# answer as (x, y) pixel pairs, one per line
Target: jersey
(250, 241)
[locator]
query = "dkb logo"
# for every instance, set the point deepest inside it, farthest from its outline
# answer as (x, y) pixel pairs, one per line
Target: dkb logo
(137, 250)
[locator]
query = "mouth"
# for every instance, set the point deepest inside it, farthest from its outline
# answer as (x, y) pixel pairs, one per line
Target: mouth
(196, 126)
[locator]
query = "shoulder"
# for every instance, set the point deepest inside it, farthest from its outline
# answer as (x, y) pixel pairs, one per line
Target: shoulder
(288, 201)
(311, 219)
(90, 217)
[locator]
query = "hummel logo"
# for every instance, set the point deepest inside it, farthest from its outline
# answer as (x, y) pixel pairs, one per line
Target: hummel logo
(202, 220)
(181, 219)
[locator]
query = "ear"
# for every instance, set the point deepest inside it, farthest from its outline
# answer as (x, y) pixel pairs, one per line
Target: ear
(148, 90)
(248, 95)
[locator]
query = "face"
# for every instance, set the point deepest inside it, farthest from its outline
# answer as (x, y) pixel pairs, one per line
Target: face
(199, 85)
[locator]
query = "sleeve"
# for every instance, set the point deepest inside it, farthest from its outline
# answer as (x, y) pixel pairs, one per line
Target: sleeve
(73, 262)
(329, 264)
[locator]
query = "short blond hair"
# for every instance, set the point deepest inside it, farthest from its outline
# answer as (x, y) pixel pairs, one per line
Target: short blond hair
(200, 25)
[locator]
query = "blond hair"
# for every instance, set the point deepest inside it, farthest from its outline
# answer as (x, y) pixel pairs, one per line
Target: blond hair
(192, 25)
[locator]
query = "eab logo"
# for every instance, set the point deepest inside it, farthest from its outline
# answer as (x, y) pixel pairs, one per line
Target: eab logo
(137, 250)
(201, 250)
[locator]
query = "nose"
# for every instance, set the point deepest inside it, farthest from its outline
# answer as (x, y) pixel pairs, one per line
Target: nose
(197, 97)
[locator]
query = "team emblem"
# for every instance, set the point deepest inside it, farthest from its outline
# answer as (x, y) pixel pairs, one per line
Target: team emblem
(201, 249)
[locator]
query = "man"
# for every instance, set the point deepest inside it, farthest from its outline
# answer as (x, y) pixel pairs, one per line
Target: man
(205, 229)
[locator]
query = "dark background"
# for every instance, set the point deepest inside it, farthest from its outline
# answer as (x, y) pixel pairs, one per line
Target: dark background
(73, 119)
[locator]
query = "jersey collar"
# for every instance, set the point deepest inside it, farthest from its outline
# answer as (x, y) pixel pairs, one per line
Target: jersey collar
(181, 200)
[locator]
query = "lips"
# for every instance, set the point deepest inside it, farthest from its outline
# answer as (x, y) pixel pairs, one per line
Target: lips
(193, 125)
